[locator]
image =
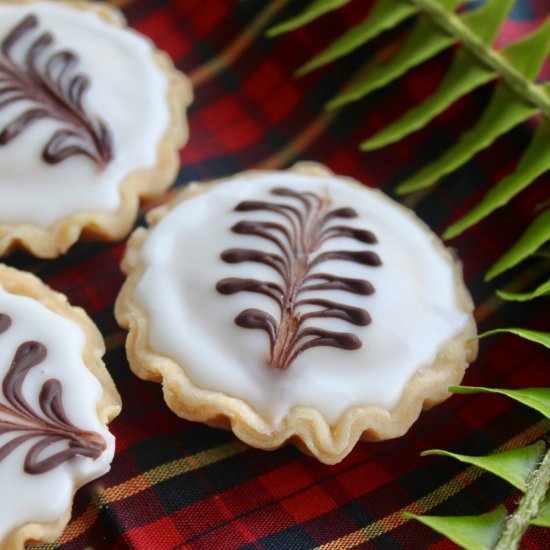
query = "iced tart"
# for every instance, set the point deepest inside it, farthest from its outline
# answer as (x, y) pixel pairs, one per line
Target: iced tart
(56, 399)
(295, 305)
(92, 118)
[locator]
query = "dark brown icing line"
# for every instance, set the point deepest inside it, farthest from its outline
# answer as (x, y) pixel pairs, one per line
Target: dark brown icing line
(306, 224)
(54, 92)
(51, 426)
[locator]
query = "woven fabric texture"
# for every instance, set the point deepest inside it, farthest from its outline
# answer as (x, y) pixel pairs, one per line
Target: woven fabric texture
(177, 484)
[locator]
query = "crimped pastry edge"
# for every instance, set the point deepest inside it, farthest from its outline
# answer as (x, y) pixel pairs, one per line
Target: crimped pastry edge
(146, 183)
(303, 426)
(26, 284)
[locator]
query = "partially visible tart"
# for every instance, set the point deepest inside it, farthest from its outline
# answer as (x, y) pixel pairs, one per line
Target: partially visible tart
(56, 399)
(92, 118)
(295, 306)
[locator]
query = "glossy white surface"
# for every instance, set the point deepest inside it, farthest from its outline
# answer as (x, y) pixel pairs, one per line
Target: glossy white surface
(45, 497)
(127, 91)
(415, 308)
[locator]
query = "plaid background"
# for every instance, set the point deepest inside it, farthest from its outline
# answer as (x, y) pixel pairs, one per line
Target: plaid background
(176, 484)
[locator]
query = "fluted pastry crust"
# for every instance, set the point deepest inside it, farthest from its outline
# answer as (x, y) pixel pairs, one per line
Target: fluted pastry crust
(304, 426)
(146, 183)
(108, 407)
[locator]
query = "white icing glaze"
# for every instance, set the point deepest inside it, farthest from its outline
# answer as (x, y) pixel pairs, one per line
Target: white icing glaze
(127, 91)
(415, 308)
(45, 497)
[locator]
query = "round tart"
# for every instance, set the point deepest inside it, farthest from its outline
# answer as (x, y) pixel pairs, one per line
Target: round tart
(295, 305)
(91, 119)
(56, 399)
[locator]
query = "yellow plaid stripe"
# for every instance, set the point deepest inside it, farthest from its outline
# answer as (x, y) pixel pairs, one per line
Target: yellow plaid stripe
(228, 56)
(297, 145)
(142, 482)
(433, 499)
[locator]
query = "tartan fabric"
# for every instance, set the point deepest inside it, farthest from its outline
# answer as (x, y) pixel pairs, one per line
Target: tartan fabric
(177, 484)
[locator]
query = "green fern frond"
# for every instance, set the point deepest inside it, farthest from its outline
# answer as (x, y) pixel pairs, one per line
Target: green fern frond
(536, 398)
(537, 234)
(464, 76)
(438, 27)
(315, 10)
(542, 338)
(485, 22)
(423, 43)
(469, 532)
(534, 162)
(505, 111)
(514, 466)
(542, 290)
(384, 16)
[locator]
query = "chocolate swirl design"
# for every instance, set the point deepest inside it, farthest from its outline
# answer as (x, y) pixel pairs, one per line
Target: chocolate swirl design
(48, 83)
(306, 223)
(19, 419)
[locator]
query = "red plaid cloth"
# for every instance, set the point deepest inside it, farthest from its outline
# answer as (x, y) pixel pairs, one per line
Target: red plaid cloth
(177, 484)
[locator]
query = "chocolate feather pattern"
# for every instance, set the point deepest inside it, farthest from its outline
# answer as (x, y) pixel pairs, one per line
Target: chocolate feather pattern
(306, 223)
(23, 423)
(48, 83)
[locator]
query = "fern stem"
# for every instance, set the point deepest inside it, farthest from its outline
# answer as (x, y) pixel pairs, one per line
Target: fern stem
(451, 24)
(528, 508)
